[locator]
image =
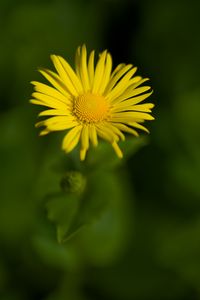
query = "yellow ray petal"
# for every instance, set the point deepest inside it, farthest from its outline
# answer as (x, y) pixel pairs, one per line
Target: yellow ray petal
(54, 112)
(117, 69)
(138, 91)
(130, 93)
(118, 74)
(64, 75)
(83, 69)
(116, 130)
(121, 85)
(55, 120)
(104, 135)
(126, 129)
(83, 154)
(147, 107)
(135, 80)
(44, 132)
(85, 137)
(91, 68)
(133, 83)
(99, 71)
(140, 107)
(139, 126)
(138, 82)
(50, 101)
(106, 75)
(132, 114)
(117, 150)
(71, 139)
(62, 126)
(132, 101)
(93, 135)
(50, 91)
(77, 61)
(138, 99)
(72, 75)
(47, 104)
(57, 123)
(56, 81)
(108, 134)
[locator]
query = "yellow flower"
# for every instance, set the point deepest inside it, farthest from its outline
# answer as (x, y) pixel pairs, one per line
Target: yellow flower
(92, 101)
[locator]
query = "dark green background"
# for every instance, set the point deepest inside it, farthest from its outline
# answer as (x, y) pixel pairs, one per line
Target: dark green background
(152, 248)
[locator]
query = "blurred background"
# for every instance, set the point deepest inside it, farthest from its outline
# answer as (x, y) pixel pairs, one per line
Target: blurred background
(145, 243)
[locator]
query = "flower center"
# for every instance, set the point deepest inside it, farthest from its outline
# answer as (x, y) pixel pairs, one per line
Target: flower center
(91, 108)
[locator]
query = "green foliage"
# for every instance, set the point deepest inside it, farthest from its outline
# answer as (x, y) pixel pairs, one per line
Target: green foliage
(127, 229)
(100, 212)
(104, 157)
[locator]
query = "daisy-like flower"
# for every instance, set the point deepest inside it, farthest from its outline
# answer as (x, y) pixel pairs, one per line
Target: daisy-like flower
(92, 101)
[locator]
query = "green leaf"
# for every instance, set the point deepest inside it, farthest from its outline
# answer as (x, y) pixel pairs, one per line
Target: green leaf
(62, 209)
(73, 211)
(108, 234)
(104, 156)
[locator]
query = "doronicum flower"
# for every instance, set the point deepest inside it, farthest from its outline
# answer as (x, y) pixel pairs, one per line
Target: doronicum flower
(92, 101)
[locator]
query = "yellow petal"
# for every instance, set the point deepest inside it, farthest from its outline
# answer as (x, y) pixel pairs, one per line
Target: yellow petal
(121, 85)
(64, 75)
(54, 112)
(115, 130)
(56, 81)
(132, 114)
(140, 107)
(62, 126)
(117, 69)
(83, 69)
(93, 135)
(139, 126)
(83, 154)
(106, 75)
(47, 104)
(132, 101)
(71, 139)
(85, 137)
(57, 123)
(72, 75)
(117, 150)
(106, 133)
(50, 91)
(58, 119)
(139, 99)
(77, 61)
(130, 93)
(50, 101)
(122, 70)
(91, 68)
(99, 71)
(135, 80)
(131, 86)
(126, 129)
(43, 132)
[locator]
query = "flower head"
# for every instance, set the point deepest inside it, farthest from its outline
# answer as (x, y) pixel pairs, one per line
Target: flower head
(92, 101)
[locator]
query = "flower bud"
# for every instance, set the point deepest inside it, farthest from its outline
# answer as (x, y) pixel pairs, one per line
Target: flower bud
(73, 182)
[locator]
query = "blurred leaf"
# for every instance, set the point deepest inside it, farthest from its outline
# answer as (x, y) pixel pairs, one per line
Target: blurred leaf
(101, 211)
(62, 210)
(104, 156)
(106, 238)
(72, 210)
(56, 255)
